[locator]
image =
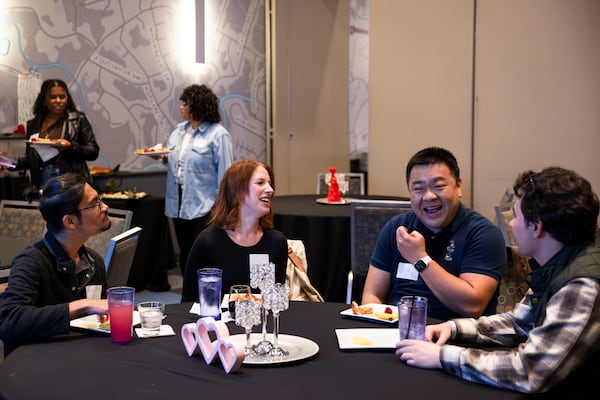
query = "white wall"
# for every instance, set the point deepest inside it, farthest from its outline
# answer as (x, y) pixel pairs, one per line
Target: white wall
(535, 97)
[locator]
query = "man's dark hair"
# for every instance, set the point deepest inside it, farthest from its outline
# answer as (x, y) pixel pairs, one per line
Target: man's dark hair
(563, 201)
(61, 196)
(433, 155)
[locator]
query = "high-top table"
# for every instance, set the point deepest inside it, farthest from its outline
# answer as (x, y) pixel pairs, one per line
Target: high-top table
(325, 231)
(89, 366)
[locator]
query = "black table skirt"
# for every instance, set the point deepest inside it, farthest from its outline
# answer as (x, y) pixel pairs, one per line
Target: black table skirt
(325, 231)
(154, 254)
(91, 367)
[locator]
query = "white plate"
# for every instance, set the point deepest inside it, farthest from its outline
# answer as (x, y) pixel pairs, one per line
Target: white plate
(298, 348)
(377, 308)
(51, 144)
(90, 322)
(367, 338)
(345, 200)
(151, 153)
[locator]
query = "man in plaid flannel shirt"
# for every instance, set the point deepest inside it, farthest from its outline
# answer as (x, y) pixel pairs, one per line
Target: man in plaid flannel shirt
(550, 342)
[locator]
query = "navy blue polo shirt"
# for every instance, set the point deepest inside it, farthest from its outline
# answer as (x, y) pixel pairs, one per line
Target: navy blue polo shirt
(472, 243)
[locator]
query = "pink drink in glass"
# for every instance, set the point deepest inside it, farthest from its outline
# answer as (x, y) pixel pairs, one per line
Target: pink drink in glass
(121, 319)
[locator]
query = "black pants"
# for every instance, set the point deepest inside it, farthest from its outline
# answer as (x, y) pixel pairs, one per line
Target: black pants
(186, 231)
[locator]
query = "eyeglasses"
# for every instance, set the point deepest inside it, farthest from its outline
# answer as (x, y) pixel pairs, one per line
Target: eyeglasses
(96, 204)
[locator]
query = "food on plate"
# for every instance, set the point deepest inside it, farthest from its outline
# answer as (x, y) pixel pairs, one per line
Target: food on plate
(125, 195)
(150, 150)
(361, 310)
(361, 341)
(100, 170)
(386, 316)
(244, 296)
(43, 140)
(102, 322)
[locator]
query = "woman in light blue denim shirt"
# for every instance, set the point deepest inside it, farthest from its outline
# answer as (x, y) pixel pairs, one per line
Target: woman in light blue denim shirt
(200, 151)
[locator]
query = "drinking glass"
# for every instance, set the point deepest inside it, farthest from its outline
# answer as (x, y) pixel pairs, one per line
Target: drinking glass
(276, 299)
(412, 317)
(237, 292)
(151, 315)
(209, 291)
(247, 315)
(120, 310)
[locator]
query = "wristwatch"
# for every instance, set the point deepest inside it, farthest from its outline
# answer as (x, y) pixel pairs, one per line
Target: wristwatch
(422, 263)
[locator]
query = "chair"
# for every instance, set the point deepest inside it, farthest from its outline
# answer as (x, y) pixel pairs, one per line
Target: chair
(356, 182)
(21, 224)
(119, 256)
(120, 222)
(367, 217)
(296, 274)
(512, 284)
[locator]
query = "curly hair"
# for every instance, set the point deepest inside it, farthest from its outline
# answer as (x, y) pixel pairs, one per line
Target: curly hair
(563, 201)
(203, 103)
(433, 155)
(39, 107)
(61, 196)
(232, 191)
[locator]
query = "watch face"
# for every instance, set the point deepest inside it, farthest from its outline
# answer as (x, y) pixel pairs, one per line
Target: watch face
(420, 265)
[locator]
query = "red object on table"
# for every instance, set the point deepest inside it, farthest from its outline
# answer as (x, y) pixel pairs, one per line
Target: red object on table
(333, 194)
(20, 129)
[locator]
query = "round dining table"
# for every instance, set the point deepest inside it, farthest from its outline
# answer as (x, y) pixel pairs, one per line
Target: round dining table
(325, 230)
(88, 365)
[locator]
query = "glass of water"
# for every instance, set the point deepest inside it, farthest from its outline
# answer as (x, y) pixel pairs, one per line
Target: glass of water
(151, 315)
(210, 281)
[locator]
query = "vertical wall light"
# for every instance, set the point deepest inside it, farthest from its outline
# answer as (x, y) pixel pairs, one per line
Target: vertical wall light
(200, 31)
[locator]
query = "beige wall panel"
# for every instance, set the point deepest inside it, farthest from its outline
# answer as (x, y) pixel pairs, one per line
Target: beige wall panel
(420, 86)
(537, 92)
(310, 119)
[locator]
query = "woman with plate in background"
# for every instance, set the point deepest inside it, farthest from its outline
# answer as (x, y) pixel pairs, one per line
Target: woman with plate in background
(200, 151)
(59, 137)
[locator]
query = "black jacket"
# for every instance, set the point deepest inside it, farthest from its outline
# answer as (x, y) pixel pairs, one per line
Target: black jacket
(83, 148)
(42, 282)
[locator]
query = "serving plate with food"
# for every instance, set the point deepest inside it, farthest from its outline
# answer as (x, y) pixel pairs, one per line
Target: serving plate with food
(124, 195)
(382, 313)
(38, 141)
(158, 150)
(98, 323)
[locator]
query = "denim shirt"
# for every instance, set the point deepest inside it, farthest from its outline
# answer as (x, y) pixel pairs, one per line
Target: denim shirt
(204, 161)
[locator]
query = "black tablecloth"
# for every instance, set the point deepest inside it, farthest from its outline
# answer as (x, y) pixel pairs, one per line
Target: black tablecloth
(325, 231)
(154, 254)
(91, 367)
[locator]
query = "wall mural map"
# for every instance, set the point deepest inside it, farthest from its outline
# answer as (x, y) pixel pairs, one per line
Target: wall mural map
(119, 60)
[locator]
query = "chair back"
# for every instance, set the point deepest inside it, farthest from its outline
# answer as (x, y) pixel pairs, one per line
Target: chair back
(120, 222)
(21, 224)
(356, 182)
(367, 217)
(119, 256)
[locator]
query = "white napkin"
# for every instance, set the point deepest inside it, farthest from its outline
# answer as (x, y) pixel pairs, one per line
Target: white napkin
(225, 317)
(45, 151)
(165, 330)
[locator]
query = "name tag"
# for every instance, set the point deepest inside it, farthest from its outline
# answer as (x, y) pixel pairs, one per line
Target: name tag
(259, 259)
(407, 271)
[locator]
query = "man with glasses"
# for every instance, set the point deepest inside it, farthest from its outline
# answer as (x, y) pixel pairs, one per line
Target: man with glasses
(440, 250)
(47, 283)
(550, 342)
